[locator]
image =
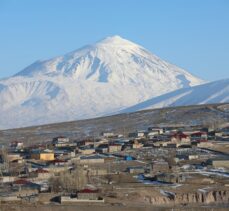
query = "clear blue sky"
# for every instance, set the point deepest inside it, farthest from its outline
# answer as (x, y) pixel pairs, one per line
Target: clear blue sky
(193, 34)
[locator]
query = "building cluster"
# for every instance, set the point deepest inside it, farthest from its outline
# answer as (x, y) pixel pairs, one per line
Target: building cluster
(81, 170)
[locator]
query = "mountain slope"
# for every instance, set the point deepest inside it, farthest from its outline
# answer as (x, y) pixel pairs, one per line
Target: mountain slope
(214, 92)
(113, 60)
(96, 80)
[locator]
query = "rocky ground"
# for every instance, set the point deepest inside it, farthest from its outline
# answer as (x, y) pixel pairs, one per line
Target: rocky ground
(108, 207)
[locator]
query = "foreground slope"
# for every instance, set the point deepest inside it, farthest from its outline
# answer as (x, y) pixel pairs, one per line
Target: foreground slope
(214, 92)
(96, 80)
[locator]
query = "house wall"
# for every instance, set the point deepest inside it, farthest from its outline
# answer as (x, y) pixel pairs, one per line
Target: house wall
(12, 157)
(91, 161)
(87, 151)
(98, 172)
(136, 171)
(35, 156)
(137, 145)
(115, 148)
(220, 163)
(43, 156)
(7, 179)
(44, 175)
(91, 196)
(47, 156)
(192, 157)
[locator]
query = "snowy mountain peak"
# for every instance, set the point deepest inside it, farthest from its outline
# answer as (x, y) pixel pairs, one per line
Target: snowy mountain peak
(113, 39)
(113, 60)
(95, 80)
(116, 40)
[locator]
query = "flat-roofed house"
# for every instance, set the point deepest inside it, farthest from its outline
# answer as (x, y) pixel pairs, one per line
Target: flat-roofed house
(60, 141)
(220, 163)
(114, 147)
(42, 155)
(92, 159)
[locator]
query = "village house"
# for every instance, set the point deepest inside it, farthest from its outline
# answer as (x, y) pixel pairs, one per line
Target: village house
(171, 145)
(180, 139)
(155, 131)
(138, 134)
(218, 134)
(193, 157)
(92, 159)
(102, 148)
(219, 163)
(22, 184)
(86, 142)
(170, 178)
(199, 136)
(60, 141)
(14, 157)
(65, 152)
(169, 130)
(58, 162)
(86, 150)
(137, 145)
(87, 194)
(45, 155)
(97, 171)
(108, 134)
(98, 142)
(225, 131)
(41, 173)
(7, 179)
(114, 148)
(205, 145)
(135, 170)
(16, 145)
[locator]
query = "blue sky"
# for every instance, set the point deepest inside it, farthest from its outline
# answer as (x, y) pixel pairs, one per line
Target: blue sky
(193, 34)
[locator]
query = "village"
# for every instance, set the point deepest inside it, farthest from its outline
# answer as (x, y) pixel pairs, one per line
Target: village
(159, 166)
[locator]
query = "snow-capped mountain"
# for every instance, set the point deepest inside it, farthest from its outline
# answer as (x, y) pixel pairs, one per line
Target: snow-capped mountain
(100, 79)
(212, 92)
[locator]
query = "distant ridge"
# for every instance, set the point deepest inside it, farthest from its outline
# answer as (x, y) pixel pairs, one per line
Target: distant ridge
(209, 93)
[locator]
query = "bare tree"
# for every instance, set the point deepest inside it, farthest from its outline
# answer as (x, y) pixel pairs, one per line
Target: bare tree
(55, 184)
(69, 181)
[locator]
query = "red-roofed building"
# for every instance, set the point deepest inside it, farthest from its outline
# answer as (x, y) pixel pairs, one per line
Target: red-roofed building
(199, 136)
(42, 173)
(86, 190)
(88, 194)
(20, 182)
(180, 139)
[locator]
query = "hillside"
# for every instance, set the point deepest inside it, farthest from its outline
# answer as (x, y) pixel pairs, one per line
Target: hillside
(209, 93)
(122, 123)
